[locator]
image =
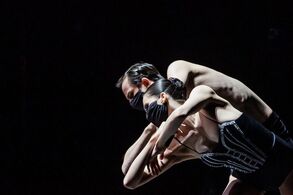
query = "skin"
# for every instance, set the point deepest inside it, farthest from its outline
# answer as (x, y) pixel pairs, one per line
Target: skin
(141, 170)
(136, 148)
(236, 187)
(231, 89)
(129, 90)
(238, 94)
(208, 109)
(196, 131)
(192, 75)
(195, 123)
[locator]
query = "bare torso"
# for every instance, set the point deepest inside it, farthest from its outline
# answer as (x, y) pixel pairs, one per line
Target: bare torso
(204, 128)
(238, 94)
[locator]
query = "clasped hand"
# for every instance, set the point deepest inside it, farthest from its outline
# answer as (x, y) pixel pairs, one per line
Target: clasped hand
(157, 152)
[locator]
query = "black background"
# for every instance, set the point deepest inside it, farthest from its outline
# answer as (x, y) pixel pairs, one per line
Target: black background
(64, 125)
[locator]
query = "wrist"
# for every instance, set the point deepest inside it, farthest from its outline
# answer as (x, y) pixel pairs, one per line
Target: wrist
(150, 129)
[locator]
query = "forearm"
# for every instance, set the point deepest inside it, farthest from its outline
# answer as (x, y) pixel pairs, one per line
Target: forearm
(136, 148)
(136, 169)
(138, 173)
(169, 129)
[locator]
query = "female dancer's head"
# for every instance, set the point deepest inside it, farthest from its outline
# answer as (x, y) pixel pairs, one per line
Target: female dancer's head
(161, 98)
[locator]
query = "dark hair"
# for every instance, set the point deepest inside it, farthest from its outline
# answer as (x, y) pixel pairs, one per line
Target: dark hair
(139, 70)
(173, 87)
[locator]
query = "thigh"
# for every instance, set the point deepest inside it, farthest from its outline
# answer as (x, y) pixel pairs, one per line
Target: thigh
(287, 186)
(237, 187)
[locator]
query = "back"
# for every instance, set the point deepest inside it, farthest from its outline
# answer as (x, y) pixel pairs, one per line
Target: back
(238, 94)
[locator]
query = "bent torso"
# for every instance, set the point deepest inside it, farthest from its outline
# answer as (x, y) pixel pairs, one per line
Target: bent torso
(238, 94)
(204, 128)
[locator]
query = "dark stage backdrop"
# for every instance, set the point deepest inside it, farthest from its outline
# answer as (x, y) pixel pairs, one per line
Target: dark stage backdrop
(64, 125)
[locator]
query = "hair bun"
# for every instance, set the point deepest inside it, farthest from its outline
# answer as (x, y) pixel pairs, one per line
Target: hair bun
(179, 89)
(176, 82)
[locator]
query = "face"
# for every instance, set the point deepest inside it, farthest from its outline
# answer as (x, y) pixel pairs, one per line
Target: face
(147, 100)
(134, 93)
(156, 109)
(128, 89)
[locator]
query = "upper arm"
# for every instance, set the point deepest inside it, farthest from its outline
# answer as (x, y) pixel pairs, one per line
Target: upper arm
(199, 97)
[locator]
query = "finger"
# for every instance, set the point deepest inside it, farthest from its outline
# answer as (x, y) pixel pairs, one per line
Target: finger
(148, 168)
(151, 170)
(158, 168)
(154, 171)
(159, 165)
(155, 167)
(149, 163)
(157, 150)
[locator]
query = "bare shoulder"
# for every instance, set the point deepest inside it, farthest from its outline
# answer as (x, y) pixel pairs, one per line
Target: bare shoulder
(181, 64)
(182, 70)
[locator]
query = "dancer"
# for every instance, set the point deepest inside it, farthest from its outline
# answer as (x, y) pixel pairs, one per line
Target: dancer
(215, 132)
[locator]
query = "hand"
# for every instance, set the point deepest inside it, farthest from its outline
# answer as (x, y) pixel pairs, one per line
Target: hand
(158, 149)
(154, 166)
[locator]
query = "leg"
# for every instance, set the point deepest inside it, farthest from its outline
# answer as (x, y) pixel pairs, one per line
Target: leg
(287, 186)
(236, 187)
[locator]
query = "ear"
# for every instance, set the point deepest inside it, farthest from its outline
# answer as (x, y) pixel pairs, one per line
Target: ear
(163, 97)
(146, 82)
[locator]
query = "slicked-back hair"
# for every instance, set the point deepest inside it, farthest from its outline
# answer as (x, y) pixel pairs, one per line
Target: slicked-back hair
(175, 90)
(137, 71)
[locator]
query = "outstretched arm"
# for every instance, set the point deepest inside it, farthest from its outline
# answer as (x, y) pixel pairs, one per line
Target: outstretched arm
(136, 148)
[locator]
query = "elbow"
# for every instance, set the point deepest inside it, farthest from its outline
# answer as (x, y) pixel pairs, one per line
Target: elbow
(125, 166)
(124, 169)
(129, 184)
(175, 65)
(179, 64)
